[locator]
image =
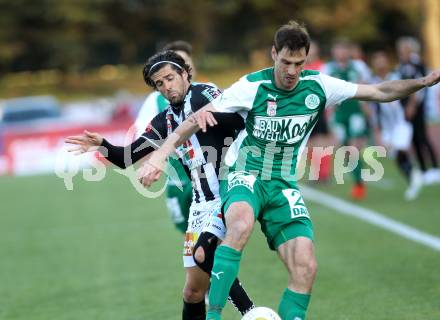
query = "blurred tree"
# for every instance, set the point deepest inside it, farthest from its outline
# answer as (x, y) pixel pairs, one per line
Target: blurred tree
(76, 35)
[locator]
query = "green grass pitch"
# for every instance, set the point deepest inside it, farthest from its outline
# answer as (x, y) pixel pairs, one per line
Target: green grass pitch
(102, 251)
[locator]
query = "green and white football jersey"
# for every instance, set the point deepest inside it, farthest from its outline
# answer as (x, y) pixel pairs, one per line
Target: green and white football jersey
(278, 122)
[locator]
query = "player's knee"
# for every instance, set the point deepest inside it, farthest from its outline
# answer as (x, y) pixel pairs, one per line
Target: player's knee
(199, 255)
(307, 268)
(241, 219)
(193, 294)
(242, 228)
(312, 268)
(204, 251)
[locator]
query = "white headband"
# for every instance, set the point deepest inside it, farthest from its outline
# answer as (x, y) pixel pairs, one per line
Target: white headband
(164, 61)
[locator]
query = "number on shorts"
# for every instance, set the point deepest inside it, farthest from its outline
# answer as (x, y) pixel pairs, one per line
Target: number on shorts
(296, 203)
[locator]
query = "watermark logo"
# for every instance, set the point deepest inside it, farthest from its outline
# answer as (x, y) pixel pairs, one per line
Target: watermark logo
(286, 163)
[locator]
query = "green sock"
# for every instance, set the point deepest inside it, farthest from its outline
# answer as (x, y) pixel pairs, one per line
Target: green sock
(223, 274)
(293, 305)
(357, 172)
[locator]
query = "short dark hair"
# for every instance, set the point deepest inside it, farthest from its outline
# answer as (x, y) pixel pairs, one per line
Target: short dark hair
(293, 36)
(161, 59)
(179, 45)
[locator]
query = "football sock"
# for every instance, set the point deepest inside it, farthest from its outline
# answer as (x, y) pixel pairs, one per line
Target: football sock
(293, 305)
(358, 170)
(224, 272)
(237, 295)
(239, 298)
(194, 311)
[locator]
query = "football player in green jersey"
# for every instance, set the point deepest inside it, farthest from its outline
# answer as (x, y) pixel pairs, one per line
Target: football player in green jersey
(280, 106)
(349, 120)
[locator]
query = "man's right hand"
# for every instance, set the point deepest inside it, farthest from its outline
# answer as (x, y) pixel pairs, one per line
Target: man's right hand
(204, 117)
(88, 141)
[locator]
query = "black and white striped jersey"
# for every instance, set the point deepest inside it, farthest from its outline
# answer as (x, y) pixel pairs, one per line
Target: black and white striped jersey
(201, 155)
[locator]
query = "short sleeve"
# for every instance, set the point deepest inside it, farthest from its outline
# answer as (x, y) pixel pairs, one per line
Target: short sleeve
(238, 97)
(202, 94)
(337, 90)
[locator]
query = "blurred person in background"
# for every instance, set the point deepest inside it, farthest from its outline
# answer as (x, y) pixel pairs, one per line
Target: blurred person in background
(396, 131)
(358, 58)
(411, 67)
(320, 162)
(349, 121)
(179, 197)
(168, 73)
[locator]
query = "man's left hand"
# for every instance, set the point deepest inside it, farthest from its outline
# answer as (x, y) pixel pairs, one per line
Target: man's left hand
(432, 79)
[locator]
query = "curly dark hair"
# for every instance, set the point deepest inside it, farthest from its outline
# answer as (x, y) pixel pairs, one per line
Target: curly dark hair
(154, 64)
(292, 35)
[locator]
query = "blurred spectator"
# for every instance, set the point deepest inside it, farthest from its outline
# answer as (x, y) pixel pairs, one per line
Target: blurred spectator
(349, 121)
(396, 131)
(358, 58)
(411, 67)
(320, 137)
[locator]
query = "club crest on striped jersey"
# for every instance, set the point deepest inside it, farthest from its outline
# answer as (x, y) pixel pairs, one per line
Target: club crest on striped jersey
(271, 108)
(312, 101)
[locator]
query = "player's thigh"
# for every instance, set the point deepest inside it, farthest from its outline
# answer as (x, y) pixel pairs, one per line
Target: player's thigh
(199, 214)
(242, 198)
(244, 189)
(285, 217)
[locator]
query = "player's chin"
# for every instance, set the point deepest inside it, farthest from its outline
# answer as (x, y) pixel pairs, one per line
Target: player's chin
(176, 100)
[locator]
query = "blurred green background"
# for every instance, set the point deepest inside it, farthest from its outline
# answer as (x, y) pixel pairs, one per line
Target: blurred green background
(91, 47)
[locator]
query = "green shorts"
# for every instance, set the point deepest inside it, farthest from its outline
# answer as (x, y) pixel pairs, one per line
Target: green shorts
(278, 207)
(178, 203)
(350, 126)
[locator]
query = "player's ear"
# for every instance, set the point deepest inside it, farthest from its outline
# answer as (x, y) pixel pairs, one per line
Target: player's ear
(274, 53)
(184, 74)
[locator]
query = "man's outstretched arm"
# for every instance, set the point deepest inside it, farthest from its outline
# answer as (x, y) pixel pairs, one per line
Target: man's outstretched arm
(119, 155)
(395, 89)
(200, 120)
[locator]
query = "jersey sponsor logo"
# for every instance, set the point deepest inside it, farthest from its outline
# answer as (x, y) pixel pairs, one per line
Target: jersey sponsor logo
(211, 93)
(283, 129)
(312, 101)
(297, 206)
(271, 108)
(241, 178)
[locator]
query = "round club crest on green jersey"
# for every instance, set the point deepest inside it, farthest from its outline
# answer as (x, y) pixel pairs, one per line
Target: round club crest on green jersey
(312, 101)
